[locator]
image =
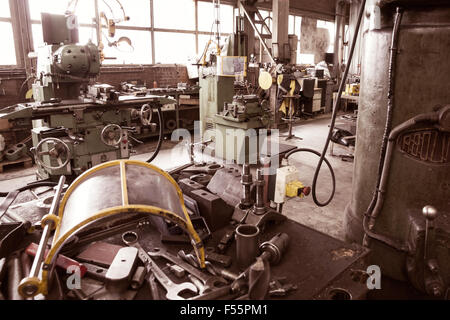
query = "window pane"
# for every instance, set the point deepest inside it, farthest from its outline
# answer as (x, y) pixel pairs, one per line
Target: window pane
(174, 14)
(142, 53)
(298, 26)
(291, 24)
(4, 9)
(226, 18)
(85, 10)
(8, 54)
(85, 33)
(137, 10)
(331, 31)
(205, 16)
(265, 15)
(168, 45)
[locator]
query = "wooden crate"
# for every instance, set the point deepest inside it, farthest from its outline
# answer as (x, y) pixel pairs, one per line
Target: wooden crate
(26, 161)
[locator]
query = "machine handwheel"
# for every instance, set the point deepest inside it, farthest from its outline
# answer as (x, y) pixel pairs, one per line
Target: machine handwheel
(57, 151)
(111, 135)
(146, 115)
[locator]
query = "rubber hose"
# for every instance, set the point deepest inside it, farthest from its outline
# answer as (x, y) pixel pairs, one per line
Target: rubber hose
(161, 135)
(32, 185)
(334, 115)
(333, 177)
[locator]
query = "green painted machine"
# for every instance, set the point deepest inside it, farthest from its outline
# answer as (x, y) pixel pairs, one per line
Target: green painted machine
(225, 118)
(76, 124)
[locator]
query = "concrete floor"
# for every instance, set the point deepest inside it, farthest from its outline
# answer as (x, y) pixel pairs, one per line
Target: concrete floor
(327, 219)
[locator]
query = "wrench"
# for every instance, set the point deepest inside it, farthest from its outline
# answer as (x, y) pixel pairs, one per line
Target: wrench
(209, 282)
(173, 289)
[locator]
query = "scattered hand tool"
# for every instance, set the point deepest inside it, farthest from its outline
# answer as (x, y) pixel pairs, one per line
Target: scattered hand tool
(209, 281)
(173, 289)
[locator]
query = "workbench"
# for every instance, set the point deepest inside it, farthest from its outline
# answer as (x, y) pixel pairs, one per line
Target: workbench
(320, 266)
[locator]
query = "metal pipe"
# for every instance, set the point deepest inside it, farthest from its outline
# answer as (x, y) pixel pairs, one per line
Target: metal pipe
(28, 286)
(368, 225)
(334, 114)
(14, 276)
(260, 208)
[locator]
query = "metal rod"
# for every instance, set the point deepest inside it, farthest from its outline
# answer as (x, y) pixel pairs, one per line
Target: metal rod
(30, 289)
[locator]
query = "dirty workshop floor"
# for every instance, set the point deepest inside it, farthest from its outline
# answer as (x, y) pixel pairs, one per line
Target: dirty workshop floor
(328, 220)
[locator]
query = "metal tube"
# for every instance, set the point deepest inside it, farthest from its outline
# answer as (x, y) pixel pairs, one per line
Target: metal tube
(247, 245)
(35, 268)
(28, 285)
(14, 276)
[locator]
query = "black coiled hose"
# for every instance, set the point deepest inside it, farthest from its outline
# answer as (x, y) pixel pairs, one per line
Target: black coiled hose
(313, 187)
(161, 135)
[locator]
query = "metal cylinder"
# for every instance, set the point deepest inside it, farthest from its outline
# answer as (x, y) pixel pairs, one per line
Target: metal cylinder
(246, 181)
(421, 155)
(14, 277)
(260, 208)
(247, 245)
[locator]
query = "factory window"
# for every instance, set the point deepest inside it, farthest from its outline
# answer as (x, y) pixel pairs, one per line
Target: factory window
(84, 10)
(139, 52)
(174, 47)
(267, 16)
(206, 17)
(291, 24)
(137, 10)
(331, 30)
(174, 14)
(8, 56)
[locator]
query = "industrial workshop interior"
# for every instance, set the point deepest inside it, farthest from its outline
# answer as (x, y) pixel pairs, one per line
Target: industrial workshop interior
(225, 150)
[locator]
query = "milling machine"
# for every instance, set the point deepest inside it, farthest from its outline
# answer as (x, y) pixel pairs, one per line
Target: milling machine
(76, 124)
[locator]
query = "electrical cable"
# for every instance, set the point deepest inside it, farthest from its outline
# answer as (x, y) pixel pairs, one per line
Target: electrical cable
(334, 114)
(333, 177)
(31, 185)
(161, 135)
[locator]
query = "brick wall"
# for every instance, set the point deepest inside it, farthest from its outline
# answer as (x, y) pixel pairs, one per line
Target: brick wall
(165, 75)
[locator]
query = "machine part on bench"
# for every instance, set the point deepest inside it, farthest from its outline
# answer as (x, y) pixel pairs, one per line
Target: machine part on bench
(260, 207)
(99, 253)
(138, 278)
(246, 181)
(173, 289)
(274, 249)
(190, 258)
(209, 281)
(153, 286)
(278, 287)
(221, 259)
(215, 211)
(226, 183)
(201, 288)
(272, 252)
(95, 272)
(121, 270)
(188, 185)
(14, 277)
(176, 270)
(249, 216)
(247, 242)
(201, 178)
(131, 192)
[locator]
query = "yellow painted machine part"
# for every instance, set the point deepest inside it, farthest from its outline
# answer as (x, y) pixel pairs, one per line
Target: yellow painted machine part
(265, 80)
(292, 189)
(186, 223)
(285, 104)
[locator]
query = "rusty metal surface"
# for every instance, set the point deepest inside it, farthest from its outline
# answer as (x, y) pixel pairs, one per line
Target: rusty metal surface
(314, 262)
